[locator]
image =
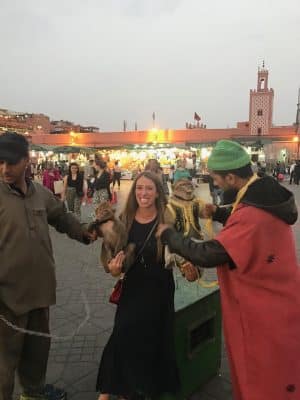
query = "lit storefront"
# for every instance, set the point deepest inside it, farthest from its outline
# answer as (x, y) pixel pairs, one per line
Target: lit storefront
(132, 159)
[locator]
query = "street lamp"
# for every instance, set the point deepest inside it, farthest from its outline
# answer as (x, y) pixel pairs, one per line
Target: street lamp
(296, 140)
(297, 124)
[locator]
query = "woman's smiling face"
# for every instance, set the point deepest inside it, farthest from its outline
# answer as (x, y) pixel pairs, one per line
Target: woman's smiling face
(145, 192)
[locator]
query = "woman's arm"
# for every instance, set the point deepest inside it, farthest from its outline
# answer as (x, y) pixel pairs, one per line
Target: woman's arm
(85, 187)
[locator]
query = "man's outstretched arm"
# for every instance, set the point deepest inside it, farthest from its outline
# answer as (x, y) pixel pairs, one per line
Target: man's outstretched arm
(206, 254)
(65, 222)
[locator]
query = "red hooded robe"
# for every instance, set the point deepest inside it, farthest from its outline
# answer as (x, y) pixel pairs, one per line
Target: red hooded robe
(261, 305)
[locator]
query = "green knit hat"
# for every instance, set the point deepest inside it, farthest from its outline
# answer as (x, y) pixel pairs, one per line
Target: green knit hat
(227, 155)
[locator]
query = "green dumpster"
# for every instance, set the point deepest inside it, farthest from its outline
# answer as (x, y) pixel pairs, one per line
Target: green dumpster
(197, 335)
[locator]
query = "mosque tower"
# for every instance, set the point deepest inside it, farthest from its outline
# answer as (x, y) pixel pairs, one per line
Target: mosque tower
(261, 105)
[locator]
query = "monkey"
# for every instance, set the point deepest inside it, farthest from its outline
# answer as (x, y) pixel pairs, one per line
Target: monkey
(114, 239)
(183, 212)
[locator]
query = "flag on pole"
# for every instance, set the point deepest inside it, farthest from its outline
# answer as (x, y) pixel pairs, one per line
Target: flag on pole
(197, 117)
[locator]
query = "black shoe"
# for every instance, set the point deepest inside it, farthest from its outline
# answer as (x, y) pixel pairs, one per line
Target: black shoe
(54, 393)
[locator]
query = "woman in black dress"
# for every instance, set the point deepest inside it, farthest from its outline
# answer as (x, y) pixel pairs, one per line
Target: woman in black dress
(74, 189)
(101, 184)
(139, 358)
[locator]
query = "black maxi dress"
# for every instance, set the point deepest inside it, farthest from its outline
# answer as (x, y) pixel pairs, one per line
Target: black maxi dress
(139, 357)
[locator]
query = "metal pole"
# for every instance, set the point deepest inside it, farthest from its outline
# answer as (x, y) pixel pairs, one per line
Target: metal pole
(298, 123)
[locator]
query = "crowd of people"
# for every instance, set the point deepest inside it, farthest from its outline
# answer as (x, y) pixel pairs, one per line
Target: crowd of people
(76, 185)
(254, 253)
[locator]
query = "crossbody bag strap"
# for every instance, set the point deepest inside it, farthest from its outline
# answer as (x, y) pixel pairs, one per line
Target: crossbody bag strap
(146, 241)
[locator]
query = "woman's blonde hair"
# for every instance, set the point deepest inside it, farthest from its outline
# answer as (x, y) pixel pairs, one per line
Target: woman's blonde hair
(131, 206)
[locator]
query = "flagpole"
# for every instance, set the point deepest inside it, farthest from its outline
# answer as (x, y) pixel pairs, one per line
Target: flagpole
(153, 119)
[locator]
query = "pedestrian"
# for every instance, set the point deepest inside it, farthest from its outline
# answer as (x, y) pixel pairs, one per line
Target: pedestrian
(89, 176)
(27, 273)
(171, 174)
(75, 188)
(139, 359)
(101, 184)
(261, 170)
(277, 170)
(154, 166)
(292, 172)
(258, 274)
(116, 175)
(297, 172)
(89, 171)
(50, 175)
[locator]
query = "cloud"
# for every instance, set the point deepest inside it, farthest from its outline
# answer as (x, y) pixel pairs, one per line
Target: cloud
(103, 61)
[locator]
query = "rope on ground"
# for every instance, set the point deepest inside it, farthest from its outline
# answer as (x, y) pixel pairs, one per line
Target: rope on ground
(50, 335)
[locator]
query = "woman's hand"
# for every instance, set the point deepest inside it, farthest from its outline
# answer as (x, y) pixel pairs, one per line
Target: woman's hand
(116, 263)
(189, 271)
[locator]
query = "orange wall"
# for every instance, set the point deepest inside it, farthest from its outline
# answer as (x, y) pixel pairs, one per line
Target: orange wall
(118, 139)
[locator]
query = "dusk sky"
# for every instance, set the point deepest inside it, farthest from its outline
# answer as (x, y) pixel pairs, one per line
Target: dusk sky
(98, 62)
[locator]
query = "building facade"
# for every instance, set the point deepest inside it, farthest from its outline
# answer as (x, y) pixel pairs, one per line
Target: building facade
(24, 123)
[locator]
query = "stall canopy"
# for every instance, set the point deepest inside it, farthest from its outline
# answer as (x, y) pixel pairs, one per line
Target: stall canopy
(73, 149)
(67, 149)
(38, 147)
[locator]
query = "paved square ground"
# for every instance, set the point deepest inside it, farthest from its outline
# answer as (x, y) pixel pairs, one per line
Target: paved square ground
(83, 290)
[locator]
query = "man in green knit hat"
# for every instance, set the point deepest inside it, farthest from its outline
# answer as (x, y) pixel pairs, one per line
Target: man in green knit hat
(258, 275)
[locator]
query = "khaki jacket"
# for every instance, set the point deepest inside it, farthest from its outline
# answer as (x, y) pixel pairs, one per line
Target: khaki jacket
(27, 268)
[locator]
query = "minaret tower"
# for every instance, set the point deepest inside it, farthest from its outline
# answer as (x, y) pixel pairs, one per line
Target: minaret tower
(261, 104)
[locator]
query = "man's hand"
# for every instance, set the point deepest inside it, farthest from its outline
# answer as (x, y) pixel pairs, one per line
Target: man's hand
(161, 228)
(90, 235)
(189, 271)
(94, 229)
(209, 210)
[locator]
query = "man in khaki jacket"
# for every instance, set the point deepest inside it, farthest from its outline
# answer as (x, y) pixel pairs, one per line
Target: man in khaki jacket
(27, 271)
